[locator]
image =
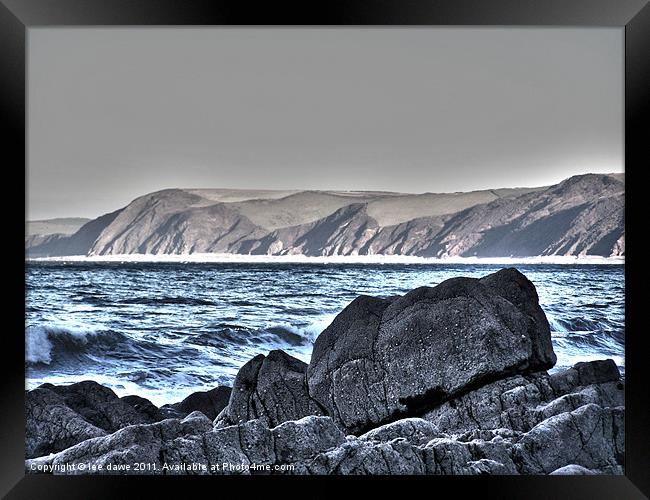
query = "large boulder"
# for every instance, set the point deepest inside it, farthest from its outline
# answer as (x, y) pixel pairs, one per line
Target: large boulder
(270, 388)
(383, 359)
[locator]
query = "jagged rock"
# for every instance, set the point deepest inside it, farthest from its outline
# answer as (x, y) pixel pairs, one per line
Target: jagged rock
(191, 445)
(592, 372)
(356, 456)
(51, 425)
(590, 436)
(254, 440)
(170, 441)
(490, 435)
(304, 438)
(519, 291)
(448, 456)
(573, 470)
(385, 358)
(270, 388)
(210, 403)
(415, 430)
(100, 406)
(503, 452)
(58, 417)
(145, 407)
(288, 442)
(444, 380)
(519, 403)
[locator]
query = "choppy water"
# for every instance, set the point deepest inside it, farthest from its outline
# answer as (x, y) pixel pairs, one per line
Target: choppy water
(164, 330)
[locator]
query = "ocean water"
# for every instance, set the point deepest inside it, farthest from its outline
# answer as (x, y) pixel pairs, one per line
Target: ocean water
(165, 330)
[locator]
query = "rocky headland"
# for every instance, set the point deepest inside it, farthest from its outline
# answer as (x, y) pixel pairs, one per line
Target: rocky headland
(449, 379)
(581, 216)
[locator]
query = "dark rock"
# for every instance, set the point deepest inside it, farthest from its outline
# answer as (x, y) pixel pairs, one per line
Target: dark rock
(382, 359)
(519, 403)
(586, 437)
(448, 456)
(444, 380)
(415, 430)
(170, 441)
(271, 388)
(58, 417)
(593, 372)
(518, 290)
(344, 354)
(304, 438)
(210, 403)
(100, 406)
(51, 425)
(253, 438)
(144, 407)
(175, 446)
(591, 438)
(357, 457)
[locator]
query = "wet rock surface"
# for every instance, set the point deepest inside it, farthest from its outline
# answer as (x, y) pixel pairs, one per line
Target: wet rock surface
(384, 358)
(210, 403)
(272, 388)
(444, 380)
(58, 417)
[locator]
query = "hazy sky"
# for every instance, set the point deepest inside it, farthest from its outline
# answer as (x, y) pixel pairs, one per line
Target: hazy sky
(116, 113)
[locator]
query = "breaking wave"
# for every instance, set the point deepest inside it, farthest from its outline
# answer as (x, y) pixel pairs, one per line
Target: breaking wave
(46, 344)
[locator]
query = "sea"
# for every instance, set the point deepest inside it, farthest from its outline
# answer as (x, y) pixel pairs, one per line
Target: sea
(163, 330)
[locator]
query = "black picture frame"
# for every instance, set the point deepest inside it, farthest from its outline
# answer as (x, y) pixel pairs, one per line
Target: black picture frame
(17, 16)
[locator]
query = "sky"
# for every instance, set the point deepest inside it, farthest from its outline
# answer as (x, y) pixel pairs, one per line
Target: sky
(115, 113)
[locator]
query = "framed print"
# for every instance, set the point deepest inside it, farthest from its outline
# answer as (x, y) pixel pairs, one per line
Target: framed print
(366, 241)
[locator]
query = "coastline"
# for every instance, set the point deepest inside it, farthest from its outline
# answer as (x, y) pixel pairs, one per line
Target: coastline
(293, 303)
(484, 403)
(336, 259)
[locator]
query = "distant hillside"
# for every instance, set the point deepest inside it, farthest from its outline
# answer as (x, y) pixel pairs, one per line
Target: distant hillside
(54, 226)
(583, 215)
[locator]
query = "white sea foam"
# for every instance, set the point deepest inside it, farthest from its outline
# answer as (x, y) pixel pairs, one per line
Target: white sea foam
(309, 331)
(335, 259)
(315, 328)
(555, 325)
(38, 348)
(38, 340)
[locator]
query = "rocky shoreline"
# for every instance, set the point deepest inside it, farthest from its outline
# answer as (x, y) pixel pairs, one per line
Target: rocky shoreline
(444, 380)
